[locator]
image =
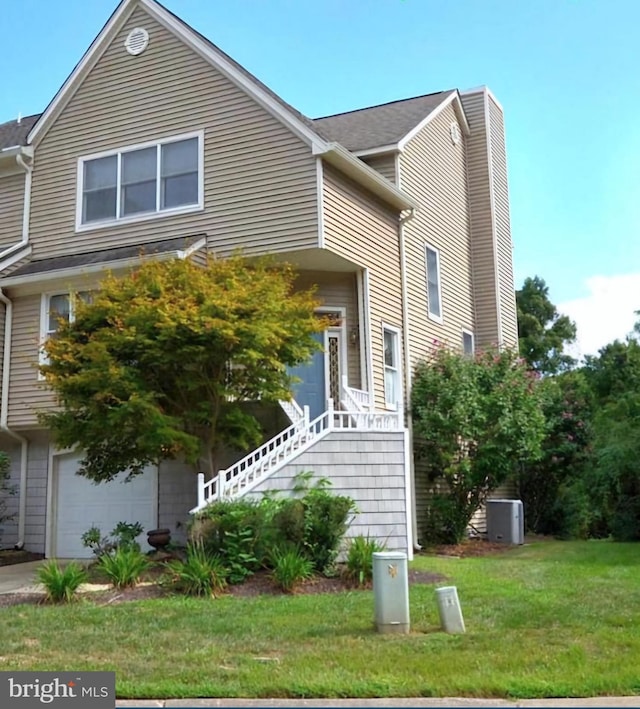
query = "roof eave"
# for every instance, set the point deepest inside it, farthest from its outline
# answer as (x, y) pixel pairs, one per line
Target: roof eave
(338, 156)
(104, 266)
(452, 99)
(381, 150)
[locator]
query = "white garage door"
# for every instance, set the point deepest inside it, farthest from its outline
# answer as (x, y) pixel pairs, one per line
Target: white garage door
(80, 504)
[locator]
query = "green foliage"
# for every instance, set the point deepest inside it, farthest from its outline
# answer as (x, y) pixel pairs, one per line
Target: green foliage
(614, 371)
(6, 489)
(475, 422)
(61, 584)
(159, 364)
(244, 532)
(290, 568)
(360, 558)
(200, 574)
(124, 566)
(542, 332)
(326, 520)
(614, 481)
(238, 531)
(546, 486)
(122, 536)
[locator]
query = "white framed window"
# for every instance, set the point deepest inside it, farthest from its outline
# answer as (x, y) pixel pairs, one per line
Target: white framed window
(468, 343)
(434, 290)
(391, 356)
(55, 307)
(141, 182)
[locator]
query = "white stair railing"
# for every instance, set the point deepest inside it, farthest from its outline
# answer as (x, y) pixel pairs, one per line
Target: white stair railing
(247, 473)
(293, 410)
(354, 399)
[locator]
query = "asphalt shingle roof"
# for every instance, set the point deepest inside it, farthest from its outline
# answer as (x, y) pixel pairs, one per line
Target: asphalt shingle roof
(106, 255)
(379, 125)
(14, 133)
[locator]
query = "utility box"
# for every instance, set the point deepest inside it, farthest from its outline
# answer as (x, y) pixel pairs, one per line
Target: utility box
(505, 521)
(391, 592)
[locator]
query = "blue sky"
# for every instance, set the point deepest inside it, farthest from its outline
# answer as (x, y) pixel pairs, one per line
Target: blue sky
(566, 72)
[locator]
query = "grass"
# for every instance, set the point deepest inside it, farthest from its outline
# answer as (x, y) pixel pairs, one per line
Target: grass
(549, 619)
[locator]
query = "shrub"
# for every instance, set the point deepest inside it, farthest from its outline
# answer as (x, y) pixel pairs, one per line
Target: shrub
(475, 421)
(6, 489)
(238, 532)
(360, 558)
(61, 584)
(290, 568)
(200, 574)
(124, 566)
(326, 520)
(122, 536)
(445, 519)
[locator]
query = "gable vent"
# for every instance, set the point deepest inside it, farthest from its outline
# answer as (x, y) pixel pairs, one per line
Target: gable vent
(136, 41)
(455, 133)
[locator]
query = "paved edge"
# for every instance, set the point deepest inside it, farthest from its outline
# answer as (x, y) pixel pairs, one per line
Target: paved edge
(418, 702)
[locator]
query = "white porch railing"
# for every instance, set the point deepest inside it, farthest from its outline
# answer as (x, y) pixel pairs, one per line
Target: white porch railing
(247, 473)
(293, 410)
(354, 398)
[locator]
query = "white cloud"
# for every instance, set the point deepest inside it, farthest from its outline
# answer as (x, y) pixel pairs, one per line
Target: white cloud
(604, 315)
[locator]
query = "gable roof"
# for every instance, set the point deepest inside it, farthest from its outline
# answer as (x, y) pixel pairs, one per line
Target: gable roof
(15, 133)
(383, 125)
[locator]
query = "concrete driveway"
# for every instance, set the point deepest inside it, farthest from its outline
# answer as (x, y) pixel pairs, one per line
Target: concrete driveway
(19, 578)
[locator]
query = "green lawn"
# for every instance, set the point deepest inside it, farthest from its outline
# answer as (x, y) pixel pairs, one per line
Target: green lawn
(548, 619)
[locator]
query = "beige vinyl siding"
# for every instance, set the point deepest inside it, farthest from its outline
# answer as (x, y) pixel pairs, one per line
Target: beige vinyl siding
(363, 230)
(27, 394)
(260, 179)
(433, 171)
(384, 164)
(506, 287)
(338, 290)
(482, 225)
(11, 209)
(3, 317)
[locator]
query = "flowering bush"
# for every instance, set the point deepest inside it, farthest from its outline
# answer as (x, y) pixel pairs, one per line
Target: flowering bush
(475, 421)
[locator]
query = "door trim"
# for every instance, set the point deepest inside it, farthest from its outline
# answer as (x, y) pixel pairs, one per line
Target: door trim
(340, 331)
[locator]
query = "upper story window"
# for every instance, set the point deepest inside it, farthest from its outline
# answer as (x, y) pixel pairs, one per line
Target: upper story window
(140, 182)
(468, 344)
(434, 291)
(392, 384)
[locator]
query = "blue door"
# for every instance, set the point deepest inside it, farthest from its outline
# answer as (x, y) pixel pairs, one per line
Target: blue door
(310, 390)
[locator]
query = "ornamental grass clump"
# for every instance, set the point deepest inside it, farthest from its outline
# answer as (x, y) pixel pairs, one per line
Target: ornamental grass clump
(61, 583)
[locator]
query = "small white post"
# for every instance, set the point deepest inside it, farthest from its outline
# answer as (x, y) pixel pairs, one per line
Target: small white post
(306, 414)
(200, 490)
(449, 609)
(220, 485)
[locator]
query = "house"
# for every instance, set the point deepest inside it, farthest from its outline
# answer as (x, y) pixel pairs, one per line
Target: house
(159, 140)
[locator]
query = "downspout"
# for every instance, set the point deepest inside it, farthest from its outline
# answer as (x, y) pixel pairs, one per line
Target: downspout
(4, 415)
(407, 371)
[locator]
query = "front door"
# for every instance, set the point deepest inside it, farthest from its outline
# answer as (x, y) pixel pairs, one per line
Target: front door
(311, 389)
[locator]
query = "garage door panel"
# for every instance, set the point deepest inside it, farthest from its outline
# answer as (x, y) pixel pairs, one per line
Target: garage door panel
(81, 504)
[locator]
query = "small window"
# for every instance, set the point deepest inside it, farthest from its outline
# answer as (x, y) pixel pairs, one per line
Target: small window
(392, 393)
(434, 295)
(62, 306)
(468, 346)
(149, 180)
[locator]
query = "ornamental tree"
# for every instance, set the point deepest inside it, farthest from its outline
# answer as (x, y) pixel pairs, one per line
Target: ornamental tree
(159, 363)
(475, 420)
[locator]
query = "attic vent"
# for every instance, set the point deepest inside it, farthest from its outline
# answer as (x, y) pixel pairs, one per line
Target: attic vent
(455, 133)
(136, 41)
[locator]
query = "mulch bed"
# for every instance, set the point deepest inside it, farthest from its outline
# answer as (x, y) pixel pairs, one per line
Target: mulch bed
(11, 556)
(258, 584)
(470, 547)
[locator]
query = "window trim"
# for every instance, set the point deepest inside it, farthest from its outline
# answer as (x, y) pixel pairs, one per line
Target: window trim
(45, 299)
(433, 316)
(464, 332)
(396, 332)
(143, 216)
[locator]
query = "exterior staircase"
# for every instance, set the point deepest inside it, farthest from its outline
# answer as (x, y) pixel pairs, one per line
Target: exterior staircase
(244, 475)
